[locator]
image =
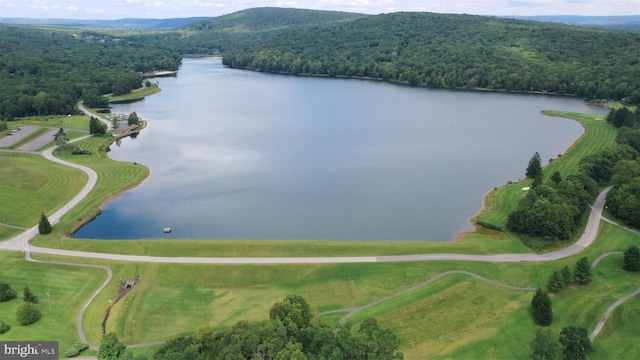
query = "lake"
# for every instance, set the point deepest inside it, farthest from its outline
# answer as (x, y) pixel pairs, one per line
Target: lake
(238, 154)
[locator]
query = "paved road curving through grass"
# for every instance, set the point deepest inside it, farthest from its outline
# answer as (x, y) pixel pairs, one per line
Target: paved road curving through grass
(21, 243)
(90, 114)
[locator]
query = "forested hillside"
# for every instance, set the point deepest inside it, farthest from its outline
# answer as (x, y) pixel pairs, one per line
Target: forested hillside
(45, 72)
(459, 51)
(241, 29)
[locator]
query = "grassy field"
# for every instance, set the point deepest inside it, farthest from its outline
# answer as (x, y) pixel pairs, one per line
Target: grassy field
(503, 200)
(457, 316)
(113, 177)
(135, 94)
(473, 244)
(74, 122)
(68, 286)
(32, 185)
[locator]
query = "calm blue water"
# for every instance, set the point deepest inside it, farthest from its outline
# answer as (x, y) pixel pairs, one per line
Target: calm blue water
(243, 155)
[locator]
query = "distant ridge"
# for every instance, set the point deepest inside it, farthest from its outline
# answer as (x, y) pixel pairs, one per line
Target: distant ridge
(624, 22)
(131, 23)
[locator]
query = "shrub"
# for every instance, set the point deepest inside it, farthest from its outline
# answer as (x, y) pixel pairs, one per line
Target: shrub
(4, 327)
(6, 292)
(27, 314)
(76, 349)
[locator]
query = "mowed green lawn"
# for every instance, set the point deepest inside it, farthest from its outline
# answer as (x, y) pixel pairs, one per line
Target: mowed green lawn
(598, 135)
(31, 184)
(113, 178)
(69, 288)
(457, 316)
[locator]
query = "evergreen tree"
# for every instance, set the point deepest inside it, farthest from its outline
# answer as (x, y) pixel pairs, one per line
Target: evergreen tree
(96, 127)
(631, 260)
(536, 182)
(534, 170)
(582, 272)
(541, 308)
(555, 282)
(44, 226)
(576, 343)
(567, 277)
(28, 296)
(544, 346)
(6, 292)
(556, 178)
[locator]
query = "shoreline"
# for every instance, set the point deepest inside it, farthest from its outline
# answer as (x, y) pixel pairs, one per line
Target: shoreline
(469, 227)
(406, 83)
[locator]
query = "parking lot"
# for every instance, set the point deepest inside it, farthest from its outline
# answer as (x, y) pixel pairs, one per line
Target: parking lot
(19, 134)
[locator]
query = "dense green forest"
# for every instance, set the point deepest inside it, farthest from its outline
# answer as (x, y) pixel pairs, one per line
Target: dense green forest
(45, 70)
(459, 51)
(290, 333)
(241, 29)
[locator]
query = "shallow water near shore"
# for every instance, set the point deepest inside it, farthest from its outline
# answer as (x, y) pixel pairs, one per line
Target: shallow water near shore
(244, 155)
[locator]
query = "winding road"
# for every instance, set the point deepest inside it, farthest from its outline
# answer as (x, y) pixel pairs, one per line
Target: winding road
(21, 243)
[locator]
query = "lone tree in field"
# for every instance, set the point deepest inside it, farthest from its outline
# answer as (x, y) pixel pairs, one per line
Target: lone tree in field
(44, 226)
(28, 296)
(576, 343)
(27, 314)
(544, 346)
(631, 260)
(534, 170)
(582, 272)
(541, 308)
